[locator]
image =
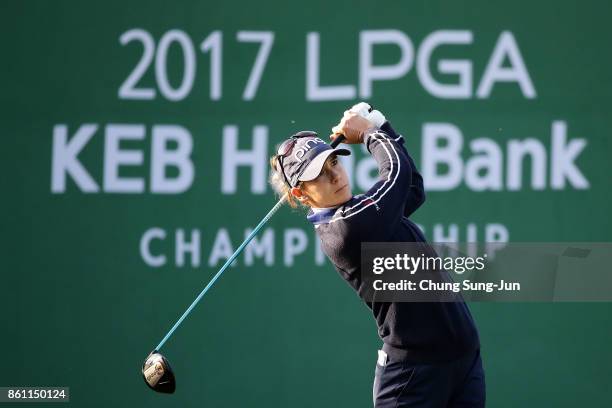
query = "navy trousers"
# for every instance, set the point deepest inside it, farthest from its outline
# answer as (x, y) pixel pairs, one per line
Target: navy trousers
(454, 384)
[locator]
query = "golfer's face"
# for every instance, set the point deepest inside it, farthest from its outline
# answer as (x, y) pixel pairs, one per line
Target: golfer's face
(331, 188)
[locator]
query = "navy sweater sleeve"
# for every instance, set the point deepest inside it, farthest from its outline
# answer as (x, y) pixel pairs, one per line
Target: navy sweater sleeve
(384, 203)
(416, 196)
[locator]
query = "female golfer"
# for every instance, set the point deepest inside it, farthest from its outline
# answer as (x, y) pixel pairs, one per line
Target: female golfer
(430, 355)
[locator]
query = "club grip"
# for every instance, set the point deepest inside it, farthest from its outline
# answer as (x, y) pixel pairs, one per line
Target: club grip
(337, 141)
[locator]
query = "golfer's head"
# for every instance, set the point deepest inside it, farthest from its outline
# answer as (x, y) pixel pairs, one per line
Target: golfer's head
(310, 171)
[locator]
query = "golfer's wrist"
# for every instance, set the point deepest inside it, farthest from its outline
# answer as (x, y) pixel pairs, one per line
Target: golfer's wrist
(366, 133)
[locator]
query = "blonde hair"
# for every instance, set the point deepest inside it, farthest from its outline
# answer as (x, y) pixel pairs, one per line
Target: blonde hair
(279, 185)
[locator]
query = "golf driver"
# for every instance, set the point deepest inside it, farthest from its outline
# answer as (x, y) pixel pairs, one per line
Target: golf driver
(156, 369)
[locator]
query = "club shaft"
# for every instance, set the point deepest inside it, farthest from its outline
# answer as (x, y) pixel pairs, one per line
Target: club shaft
(231, 259)
(223, 268)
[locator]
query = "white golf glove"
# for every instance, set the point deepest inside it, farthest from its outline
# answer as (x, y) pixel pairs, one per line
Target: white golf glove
(364, 110)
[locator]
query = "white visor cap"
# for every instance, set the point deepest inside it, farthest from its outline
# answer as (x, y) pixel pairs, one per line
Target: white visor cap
(314, 168)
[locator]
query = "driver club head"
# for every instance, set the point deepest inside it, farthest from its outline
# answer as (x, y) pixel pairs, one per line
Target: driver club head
(157, 373)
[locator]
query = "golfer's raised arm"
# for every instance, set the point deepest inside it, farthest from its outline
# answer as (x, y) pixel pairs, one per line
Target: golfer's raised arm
(416, 197)
(392, 190)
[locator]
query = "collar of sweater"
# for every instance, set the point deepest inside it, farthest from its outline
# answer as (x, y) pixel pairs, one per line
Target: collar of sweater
(320, 215)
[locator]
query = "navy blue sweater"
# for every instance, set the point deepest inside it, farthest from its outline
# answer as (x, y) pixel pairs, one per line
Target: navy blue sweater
(416, 332)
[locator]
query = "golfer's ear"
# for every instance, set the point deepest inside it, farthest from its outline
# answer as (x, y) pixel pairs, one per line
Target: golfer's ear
(296, 192)
(299, 194)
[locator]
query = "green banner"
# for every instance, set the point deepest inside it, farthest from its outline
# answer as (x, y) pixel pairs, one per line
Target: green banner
(135, 161)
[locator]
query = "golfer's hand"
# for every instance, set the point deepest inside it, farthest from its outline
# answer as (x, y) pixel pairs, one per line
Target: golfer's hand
(352, 126)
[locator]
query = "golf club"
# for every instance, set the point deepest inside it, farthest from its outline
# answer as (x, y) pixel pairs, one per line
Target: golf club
(156, 370)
